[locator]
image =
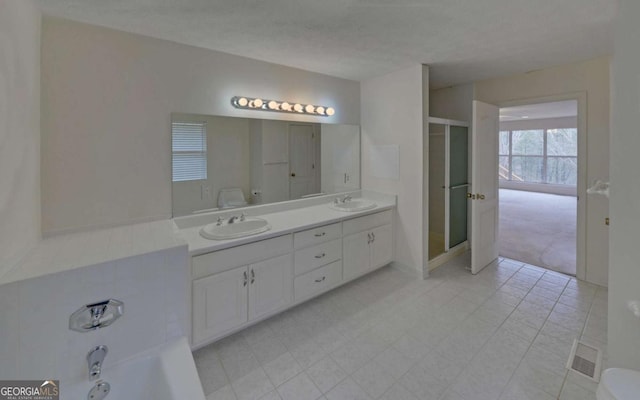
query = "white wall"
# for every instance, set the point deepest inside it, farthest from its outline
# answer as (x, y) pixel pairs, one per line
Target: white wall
(340, 155)
(589, 79)
(107, 97)
(19, 130)
(393, 108)
(453, 102)
(35, 340)
(624, 274)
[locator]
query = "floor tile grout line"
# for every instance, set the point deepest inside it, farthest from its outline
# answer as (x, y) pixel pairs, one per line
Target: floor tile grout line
(534, 339)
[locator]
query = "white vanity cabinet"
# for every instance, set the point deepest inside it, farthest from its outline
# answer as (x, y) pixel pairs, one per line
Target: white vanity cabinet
(220, 304)
(237, 286)
(318, 260)
(270, 286)
(225, 301)
(367, 244)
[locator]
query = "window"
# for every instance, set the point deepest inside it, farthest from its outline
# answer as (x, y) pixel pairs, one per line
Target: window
(189, 151)
(539, 156)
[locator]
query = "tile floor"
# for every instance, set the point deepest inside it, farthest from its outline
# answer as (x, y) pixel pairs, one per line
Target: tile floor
(505, 333)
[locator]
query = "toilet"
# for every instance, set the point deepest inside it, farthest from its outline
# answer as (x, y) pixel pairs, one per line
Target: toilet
(231, 198)
(619, 384)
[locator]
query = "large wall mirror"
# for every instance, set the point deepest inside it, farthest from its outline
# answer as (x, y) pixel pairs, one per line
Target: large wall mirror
(227, 162)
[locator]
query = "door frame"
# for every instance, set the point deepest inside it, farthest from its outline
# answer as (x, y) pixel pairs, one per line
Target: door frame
(582, 184)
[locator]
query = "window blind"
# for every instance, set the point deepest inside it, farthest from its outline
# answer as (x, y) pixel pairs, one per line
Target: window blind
(189, 151)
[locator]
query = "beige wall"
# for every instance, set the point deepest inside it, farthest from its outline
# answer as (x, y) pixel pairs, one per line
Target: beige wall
(589, 79)
(392, 114)
(624, 275)
(107, 97)
(19, 130)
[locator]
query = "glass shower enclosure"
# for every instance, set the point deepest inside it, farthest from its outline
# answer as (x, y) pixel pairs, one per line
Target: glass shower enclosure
(448, 184)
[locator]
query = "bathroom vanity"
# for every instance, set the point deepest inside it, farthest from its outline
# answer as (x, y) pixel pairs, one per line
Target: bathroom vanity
(309, 250)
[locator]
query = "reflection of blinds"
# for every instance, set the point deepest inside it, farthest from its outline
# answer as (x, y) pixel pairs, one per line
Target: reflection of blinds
(189, 150)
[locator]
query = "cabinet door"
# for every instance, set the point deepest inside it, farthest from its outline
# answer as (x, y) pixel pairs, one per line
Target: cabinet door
(270, 285)
(381, 247)
(355, 254)
(219, 303)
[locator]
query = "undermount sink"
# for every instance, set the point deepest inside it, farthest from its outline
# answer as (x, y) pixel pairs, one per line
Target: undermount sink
(353, 205)
(240, 228)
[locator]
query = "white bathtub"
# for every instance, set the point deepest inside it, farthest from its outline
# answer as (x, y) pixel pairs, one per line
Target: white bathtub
(167, 373)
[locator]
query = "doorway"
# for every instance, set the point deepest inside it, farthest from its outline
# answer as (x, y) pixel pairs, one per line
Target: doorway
(448, 143)
(538, 179)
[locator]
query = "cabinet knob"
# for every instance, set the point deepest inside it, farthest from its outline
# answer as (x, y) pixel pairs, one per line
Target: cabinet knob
(253, 276)
(321, 279)
(320, 255)
(245, 278)
(293, 174)
(320, 234)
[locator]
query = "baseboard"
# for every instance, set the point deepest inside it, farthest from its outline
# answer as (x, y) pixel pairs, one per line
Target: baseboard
(406, 269)
(451, 254)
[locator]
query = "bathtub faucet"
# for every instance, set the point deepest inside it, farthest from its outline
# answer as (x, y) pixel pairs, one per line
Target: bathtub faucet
(95, 358)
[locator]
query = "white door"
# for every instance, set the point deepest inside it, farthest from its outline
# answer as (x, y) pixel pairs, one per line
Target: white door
(381, 246)
(270, 285)
(302, 162)
(219, 303)
(356, 254)
(484, 180)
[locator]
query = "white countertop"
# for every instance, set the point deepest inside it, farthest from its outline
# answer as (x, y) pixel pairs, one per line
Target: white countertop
(282, 223)
(76, 250)
(70, 251)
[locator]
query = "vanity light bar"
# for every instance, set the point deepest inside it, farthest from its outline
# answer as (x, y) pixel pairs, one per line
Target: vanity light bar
(250, 103)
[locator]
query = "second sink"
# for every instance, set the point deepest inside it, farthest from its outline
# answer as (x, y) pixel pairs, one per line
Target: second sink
(247, 227)
(353, 206)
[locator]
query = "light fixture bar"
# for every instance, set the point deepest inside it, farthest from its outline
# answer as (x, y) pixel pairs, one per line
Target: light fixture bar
(251, 103)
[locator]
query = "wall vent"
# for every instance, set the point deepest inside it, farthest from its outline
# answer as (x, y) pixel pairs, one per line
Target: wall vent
(586, 360)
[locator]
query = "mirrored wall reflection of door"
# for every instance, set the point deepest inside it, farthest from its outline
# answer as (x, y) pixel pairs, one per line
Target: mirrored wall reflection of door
(304, 160)
(448, 186)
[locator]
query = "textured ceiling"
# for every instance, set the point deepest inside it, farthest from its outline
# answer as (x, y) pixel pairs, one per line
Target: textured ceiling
(555, 109)
(462, 40)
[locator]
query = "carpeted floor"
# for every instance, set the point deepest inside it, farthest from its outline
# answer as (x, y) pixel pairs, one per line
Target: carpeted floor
(539, 229)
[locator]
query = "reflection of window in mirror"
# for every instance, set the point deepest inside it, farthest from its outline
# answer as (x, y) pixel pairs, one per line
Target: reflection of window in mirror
(189, 151)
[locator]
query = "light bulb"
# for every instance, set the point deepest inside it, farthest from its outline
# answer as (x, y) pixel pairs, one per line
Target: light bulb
(258, 103)
(330, 111)
(309, 108)
(242, 101)
(297, 107)
(320, 110)
(273, 105)
(286, 106)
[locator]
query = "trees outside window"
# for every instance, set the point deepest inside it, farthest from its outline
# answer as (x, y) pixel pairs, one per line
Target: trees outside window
(539, 156)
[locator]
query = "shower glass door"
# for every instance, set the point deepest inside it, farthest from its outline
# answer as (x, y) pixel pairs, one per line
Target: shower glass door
(458, 151)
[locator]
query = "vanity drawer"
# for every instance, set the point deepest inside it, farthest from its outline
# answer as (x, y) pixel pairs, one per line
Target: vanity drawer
(317, 235)
(222, 260)
(312, 257)
(367, 222)
(317, 281)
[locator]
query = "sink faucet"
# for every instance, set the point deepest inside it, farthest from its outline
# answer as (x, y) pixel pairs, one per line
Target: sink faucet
(233, 219)
(346, 198)
(95, 358)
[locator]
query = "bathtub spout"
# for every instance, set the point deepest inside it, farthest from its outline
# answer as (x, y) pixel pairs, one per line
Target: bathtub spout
(95, 358)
